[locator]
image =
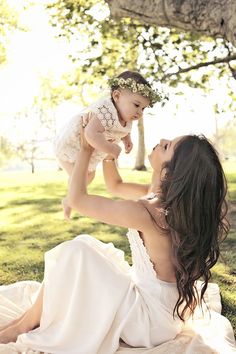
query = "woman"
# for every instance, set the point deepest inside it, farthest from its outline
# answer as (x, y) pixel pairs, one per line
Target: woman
(91, 298)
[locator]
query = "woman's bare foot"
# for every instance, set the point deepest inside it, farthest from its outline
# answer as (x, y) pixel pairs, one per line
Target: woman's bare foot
(13, 322)
(19, 326)
(66, 209)
(27, 322)
(9, 334)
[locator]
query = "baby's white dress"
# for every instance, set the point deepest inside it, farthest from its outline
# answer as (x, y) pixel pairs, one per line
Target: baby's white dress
(67, 143)
(93, 298)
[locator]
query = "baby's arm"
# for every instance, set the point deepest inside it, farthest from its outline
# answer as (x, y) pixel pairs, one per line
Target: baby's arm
(95, 137)
(127, 143)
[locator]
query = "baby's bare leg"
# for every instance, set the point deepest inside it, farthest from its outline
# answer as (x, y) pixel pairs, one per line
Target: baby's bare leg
(27, 322)
(68, 167)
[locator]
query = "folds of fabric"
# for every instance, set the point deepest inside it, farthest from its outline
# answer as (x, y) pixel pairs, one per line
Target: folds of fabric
(85, 283)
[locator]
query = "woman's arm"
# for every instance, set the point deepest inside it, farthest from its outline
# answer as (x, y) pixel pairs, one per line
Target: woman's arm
(115, 184)
(126, 213)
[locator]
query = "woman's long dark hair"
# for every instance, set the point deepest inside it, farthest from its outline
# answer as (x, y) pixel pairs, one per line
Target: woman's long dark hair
(193, 191)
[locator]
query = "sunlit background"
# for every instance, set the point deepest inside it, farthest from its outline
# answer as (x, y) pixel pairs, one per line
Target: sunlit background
(36, 54)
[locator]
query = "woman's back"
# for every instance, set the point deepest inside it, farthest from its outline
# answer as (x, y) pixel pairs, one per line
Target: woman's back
(157, 239)
(159, 249)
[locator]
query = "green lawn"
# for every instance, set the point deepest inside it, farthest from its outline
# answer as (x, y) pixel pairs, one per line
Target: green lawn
(31, 222)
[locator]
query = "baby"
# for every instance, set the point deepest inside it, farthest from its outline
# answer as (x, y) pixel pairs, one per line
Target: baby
(109, 121)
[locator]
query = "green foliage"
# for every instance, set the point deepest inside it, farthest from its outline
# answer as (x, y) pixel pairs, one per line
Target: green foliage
(114, 45)
(8, 23)
(32, 223)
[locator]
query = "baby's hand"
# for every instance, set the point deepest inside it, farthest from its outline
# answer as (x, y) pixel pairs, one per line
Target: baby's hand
(115, 150)
(127, 144)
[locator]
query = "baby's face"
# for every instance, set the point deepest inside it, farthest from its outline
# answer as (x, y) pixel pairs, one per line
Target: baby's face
(130, 105)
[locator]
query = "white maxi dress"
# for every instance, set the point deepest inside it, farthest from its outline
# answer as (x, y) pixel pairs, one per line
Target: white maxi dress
(93, 298)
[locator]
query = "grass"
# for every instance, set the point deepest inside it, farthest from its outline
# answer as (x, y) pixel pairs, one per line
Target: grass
(31, 222)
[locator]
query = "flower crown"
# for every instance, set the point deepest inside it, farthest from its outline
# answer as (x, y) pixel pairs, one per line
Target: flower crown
(142, 89)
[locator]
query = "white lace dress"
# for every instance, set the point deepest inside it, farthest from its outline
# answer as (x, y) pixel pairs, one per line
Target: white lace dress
(67, 143)
(93, 298)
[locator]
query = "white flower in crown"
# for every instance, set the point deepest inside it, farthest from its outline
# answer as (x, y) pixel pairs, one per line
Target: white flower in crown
(133, 86)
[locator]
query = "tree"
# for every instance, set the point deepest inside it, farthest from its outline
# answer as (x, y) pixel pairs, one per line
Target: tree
(212, 18)
(202, 24)
(27, 151)
(33, 134)
(112, 44)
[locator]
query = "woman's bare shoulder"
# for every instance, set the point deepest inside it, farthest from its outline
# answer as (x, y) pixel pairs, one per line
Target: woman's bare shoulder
(157, 224)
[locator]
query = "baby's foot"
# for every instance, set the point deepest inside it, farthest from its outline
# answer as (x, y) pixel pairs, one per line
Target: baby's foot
(66, 209)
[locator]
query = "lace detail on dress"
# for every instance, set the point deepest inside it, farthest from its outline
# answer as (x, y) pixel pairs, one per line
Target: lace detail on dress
(106, 112)
(142, 265)
(105, 116)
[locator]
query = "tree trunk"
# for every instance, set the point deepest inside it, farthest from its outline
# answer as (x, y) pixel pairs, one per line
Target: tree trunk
(140, 157)
(213, 17)
(32, 167)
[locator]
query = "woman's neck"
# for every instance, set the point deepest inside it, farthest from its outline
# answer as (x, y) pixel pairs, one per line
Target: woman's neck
(155, 183)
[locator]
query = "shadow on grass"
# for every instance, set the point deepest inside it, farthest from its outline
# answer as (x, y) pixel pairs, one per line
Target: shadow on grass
(228, 310)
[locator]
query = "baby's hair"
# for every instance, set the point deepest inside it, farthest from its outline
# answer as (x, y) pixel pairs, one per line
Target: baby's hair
(138, 78)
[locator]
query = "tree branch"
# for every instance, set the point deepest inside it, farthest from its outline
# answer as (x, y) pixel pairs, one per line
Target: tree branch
(213, 17)
(200, 65)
